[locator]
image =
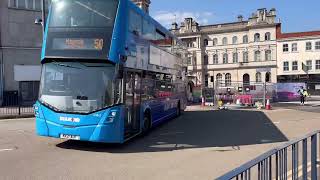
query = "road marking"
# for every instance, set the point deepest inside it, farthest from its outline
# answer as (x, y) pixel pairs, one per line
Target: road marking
(21, 119)
(2, 150)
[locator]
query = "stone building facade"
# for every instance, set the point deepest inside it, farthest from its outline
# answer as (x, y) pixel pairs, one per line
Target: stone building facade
(243, 51)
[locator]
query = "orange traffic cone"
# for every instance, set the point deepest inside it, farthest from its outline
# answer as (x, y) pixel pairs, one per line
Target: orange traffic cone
(268, 105)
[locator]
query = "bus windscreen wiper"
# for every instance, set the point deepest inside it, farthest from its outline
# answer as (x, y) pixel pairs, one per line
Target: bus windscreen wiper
(66, 65)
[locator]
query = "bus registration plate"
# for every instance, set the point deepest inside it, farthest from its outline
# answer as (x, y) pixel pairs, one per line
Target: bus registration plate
(71, 137)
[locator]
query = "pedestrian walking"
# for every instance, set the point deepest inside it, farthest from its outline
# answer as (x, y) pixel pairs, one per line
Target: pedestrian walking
(302, 92)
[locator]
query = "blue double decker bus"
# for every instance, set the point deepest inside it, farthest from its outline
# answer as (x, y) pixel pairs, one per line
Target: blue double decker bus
(109, 72)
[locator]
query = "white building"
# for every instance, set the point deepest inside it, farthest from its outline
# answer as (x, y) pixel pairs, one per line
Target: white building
(242, 51)
(298, 56)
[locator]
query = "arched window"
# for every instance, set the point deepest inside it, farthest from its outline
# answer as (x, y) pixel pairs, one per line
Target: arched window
(245, 39)
(219, 78)
(215, 59)
(205, 60)
(228, 79)
(215, 41)
(206, 80)
(257, 37)
(268, 55)
(257, 56)
(267, 36)
(206, 42)
(234, 40)
(225, 41)
(258, 77)
(246, 80)
(245, 57)
(268, 77)
(225, 58)
(235, 57)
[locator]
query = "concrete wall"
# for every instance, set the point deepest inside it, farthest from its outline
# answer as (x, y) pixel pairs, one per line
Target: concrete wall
(17, 57)
(21, 40)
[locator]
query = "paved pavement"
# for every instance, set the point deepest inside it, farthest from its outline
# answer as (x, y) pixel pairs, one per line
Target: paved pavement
(201, 144)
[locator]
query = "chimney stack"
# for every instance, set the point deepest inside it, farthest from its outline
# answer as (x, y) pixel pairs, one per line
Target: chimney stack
(143, 4)
(240, 18)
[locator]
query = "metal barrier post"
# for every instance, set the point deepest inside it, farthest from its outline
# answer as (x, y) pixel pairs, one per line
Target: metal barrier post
(314, 156)
(305, 160)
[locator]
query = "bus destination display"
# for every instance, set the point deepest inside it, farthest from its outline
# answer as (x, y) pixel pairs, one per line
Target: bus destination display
(77, 44)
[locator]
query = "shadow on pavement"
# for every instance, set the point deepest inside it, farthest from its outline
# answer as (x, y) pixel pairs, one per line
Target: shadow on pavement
(198, 129)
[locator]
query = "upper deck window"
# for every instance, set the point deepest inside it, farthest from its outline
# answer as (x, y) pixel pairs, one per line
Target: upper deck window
(83, 13)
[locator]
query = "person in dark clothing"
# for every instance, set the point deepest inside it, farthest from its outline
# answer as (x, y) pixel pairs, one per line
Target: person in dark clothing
(301, 92)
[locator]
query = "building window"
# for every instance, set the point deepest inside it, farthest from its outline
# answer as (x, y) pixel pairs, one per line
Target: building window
(205, 60)
(267, 36)
(12, 3)
(224, 41)
(258, 77)
(189, 60)
(295, 66)
(308, 46)
(294, 47)
(286, 66)
(257, 56)
(235, 57)
(28, 4)
(234, 40)
(285, 47)
(317, 47)
(225, 58)
(268, 77)
(245, 39)
(190, 44)
(268, 55)
(228, 79)
(257, 37)
(206, 80)
(215, 59)
(206, 42)
(29, 91)
(195, 61)
(245, 57)
(317, 64)
(219, 78)
(309, 65)
(215, 41)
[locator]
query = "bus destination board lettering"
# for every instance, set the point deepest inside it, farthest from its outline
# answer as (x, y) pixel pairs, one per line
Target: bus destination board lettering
(77, 44)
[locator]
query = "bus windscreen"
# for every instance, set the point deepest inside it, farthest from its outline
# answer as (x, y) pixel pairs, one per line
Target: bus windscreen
(83, 13)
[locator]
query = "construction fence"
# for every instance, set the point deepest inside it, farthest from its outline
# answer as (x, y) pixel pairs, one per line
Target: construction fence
(254, 93)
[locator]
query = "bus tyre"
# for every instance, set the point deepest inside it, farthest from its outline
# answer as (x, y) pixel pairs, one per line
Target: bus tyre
(146, 123)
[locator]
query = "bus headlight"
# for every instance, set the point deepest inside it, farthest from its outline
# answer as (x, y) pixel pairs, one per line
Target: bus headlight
(36, 110)
(111, 117)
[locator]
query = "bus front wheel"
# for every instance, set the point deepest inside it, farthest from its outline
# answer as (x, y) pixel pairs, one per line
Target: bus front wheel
(146, 122)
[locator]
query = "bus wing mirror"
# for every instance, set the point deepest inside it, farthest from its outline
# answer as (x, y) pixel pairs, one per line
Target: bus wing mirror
(38, 21)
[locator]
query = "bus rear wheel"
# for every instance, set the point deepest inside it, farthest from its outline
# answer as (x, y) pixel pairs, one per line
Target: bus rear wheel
(146, 123)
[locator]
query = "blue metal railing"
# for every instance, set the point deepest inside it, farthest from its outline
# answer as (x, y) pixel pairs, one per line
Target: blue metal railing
(291, 160)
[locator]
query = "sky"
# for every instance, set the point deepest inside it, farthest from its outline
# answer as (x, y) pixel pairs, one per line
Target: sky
(295, 15)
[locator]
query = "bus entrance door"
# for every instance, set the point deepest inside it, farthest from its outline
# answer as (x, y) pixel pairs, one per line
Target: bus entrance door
(132, 103)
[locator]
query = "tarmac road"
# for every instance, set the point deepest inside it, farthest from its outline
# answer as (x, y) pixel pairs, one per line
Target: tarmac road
(201, 144)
